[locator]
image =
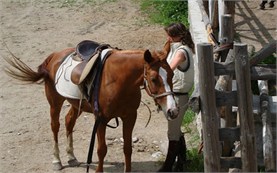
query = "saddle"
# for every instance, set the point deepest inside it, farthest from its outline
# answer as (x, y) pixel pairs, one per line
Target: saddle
(88, 53)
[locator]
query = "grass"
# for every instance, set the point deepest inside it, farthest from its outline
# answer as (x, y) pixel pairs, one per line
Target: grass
(195, 161)
(166, 12)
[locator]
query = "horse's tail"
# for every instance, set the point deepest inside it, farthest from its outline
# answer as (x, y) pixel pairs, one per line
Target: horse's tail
(23, 72)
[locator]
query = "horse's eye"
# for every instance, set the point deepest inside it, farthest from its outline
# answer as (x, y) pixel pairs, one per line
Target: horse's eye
(154, 79)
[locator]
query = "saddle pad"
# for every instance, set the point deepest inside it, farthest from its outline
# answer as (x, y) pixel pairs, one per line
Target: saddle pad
(64, 85)
(63, 82)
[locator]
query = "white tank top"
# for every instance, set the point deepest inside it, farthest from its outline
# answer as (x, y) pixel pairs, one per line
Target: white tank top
(182, 81)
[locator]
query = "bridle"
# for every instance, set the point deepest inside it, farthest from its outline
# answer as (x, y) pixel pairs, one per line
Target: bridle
(147, 88)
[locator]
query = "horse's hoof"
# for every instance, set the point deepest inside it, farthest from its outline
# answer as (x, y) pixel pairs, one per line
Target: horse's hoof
(57, 166)
(73, 163)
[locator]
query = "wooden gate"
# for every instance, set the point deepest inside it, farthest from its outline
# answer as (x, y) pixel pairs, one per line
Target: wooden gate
(222, 67)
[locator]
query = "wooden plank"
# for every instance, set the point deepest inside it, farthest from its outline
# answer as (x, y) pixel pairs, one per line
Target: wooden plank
(229, 134)
(258, 72)
(248, 143)
(210, 121)
(224, 68)
(226, 98)
(265, 52)
(231, 162)
(263, 72)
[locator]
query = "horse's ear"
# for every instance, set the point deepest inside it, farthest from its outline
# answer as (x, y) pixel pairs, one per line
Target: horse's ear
(148, 57)
(165, 51)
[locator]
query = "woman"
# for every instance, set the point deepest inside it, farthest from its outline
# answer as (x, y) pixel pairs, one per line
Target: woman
(180, 59)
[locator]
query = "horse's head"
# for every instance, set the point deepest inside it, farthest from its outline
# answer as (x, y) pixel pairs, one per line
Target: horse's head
(158, 82)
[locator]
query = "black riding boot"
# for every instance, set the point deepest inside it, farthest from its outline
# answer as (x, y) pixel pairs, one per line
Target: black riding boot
(271, 4)
(262, 5)
(172, 152)
(181, 156)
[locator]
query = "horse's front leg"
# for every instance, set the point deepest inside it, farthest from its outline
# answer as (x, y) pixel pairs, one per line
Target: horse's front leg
(102, 146)
(70, 121)
(128, 126)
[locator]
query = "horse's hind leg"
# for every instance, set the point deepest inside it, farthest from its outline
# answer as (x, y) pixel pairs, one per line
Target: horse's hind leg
(70, 121)
(55, 101)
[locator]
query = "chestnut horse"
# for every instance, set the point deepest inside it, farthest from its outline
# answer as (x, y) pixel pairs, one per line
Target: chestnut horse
(124, 72)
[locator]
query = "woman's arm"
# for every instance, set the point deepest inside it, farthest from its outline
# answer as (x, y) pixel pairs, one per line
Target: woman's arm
(178, 58)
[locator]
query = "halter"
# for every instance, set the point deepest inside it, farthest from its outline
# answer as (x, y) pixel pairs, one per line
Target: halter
(147, 88)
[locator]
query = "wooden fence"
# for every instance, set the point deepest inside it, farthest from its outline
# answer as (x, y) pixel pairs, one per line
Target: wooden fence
(220, 63)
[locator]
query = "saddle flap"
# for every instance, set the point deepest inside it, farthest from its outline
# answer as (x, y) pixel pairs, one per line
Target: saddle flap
(80, 72)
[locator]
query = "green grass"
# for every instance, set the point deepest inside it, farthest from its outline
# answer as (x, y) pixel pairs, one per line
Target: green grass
(195, 161)
(270, 60)
(166, 12)
(189, 115)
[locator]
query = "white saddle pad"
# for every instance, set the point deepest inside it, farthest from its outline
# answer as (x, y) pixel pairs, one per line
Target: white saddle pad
(64, 85)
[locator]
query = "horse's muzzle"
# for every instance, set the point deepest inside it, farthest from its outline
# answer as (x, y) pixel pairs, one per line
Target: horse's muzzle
(172, 113)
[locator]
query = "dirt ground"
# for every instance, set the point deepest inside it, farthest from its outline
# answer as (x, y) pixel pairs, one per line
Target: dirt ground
(32, 30)
(254, 26)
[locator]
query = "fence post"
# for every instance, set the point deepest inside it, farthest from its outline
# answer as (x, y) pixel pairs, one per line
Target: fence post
(226, 34)
(224, 82)
(247, 138)
(267, 132)
(210, 120)
(226, 7)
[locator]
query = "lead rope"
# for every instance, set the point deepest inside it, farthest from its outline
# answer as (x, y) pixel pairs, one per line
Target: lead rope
(150, 115)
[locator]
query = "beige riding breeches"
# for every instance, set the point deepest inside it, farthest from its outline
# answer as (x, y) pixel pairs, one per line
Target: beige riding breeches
(174, 126)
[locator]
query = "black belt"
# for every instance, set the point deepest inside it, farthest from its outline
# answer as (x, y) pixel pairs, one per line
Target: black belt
(180, 94)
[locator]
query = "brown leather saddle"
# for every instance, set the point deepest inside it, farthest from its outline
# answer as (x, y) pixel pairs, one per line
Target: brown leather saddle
(88, 52)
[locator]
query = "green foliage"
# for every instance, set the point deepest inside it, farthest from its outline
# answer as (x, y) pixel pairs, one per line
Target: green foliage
(269, 60)
(166, 12)
(189, 115)
(195, 161)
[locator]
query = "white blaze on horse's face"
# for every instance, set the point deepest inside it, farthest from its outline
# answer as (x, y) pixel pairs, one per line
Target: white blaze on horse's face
(170, 109)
